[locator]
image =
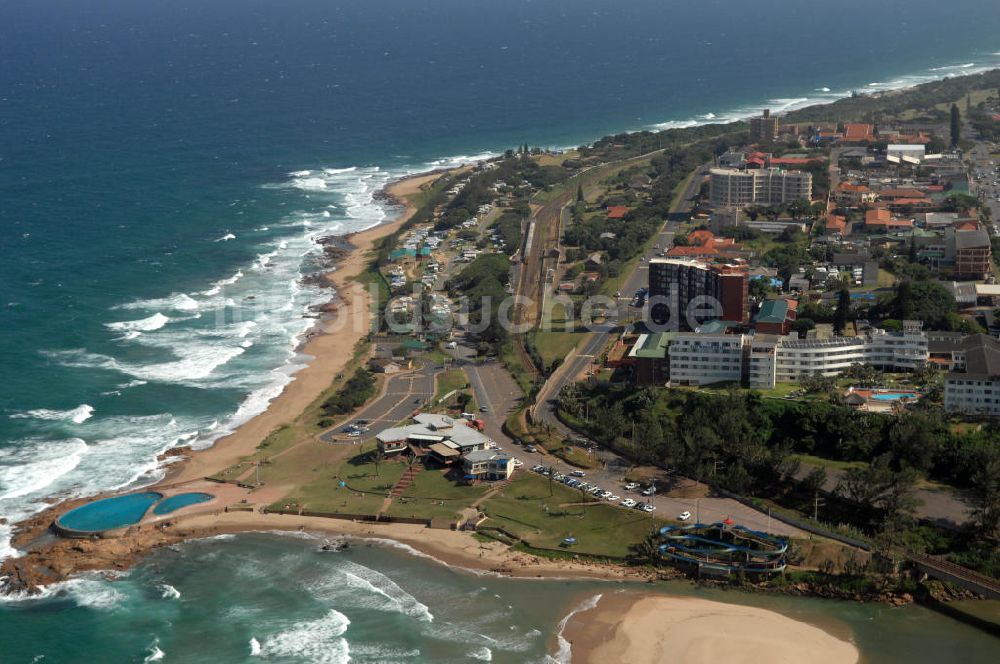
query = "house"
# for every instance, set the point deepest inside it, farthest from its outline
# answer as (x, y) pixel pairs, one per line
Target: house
(775, 316)
(487, 465)
(594, 260)
(693, 252)
(618, 211)
(836, 225)
(854, 195)
(700, 237)
(881, 220)
(438, 436)
(385, 366)
(856, 132)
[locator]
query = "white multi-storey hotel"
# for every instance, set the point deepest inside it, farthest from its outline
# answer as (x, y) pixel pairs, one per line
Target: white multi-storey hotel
(731, 187)
(762, 360)
(973, 385)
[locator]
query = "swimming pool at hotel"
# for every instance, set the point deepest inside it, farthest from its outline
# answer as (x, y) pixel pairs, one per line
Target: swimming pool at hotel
(894, 396)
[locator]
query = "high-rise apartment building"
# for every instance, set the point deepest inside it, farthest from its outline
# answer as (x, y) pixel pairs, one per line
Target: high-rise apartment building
(730, 187)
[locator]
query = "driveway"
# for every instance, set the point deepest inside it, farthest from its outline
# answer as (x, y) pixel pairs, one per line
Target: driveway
(397, 403)
(611, 476)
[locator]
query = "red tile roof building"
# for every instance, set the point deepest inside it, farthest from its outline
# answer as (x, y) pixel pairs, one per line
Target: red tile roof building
(618, 212)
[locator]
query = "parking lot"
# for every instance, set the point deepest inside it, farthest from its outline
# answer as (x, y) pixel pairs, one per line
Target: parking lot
(705, 510)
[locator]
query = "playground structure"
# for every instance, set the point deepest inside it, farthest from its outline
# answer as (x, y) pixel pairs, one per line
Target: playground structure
(723, 548)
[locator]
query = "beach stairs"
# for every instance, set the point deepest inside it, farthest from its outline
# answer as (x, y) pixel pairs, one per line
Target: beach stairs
(401, 485)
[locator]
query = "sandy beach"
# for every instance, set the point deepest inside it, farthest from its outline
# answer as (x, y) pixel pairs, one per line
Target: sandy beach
(685, 630)
(330, 348)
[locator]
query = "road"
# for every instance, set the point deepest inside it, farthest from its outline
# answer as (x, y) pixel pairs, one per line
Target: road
(592, 347)
(613, 466)
(403, 394)
(703, 510)
(494, 388)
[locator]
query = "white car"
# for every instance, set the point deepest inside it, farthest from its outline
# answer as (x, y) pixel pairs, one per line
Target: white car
(354, 434)
(605, 495)
(651, 491)
(613, 498)
(631, 486)
(628, 502)
(648, 508)
(684, 516)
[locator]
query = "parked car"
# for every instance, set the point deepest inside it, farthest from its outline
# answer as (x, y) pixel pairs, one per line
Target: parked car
(648, 507)
(354, 434)
(651, 491)
(605, 494)
(578, 473)
(484, 409)
(631, 486)
(613, 498)
(684, 516)
(529, 448)
(628, 502)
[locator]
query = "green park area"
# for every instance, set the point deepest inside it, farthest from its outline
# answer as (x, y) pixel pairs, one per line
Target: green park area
(544, 514)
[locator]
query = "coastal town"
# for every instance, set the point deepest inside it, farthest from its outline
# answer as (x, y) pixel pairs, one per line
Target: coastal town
(764, 354)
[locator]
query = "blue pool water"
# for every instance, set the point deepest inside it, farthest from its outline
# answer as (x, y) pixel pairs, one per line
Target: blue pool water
(894, 396)
(109, 513)
(181, 500)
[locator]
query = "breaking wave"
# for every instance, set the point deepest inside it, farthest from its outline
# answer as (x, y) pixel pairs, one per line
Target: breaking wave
(77, 415)
(319, 641)
(565, 653)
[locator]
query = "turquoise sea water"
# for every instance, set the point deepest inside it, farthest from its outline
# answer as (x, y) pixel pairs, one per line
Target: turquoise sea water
(165, 168)
(280, 599)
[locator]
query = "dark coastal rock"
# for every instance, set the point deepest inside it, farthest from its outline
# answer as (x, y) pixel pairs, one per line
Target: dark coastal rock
(174, 452)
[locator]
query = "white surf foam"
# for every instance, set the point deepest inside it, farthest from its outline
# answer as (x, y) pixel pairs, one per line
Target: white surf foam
(173, 302)
(254, 647)
(371, 589)
(320, 641)
(154, 322)
(483, 654)
(826, 95)
(565, 653)
(153, 652)
(169, 592)
(92, 593)
(29, 466)
(226, 238)
(77, 415)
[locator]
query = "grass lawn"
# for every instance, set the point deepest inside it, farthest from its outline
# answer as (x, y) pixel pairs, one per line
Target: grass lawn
(780, 390)
(599, 528)
(554, 346)
(450, 380)
(326, 495)
(808, 459)
(361, 475)
(434, 495)
(886, 279)
(512, 361)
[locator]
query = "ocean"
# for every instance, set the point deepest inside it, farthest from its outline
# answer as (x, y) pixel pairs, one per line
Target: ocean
(220, 600)
(166, 167)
